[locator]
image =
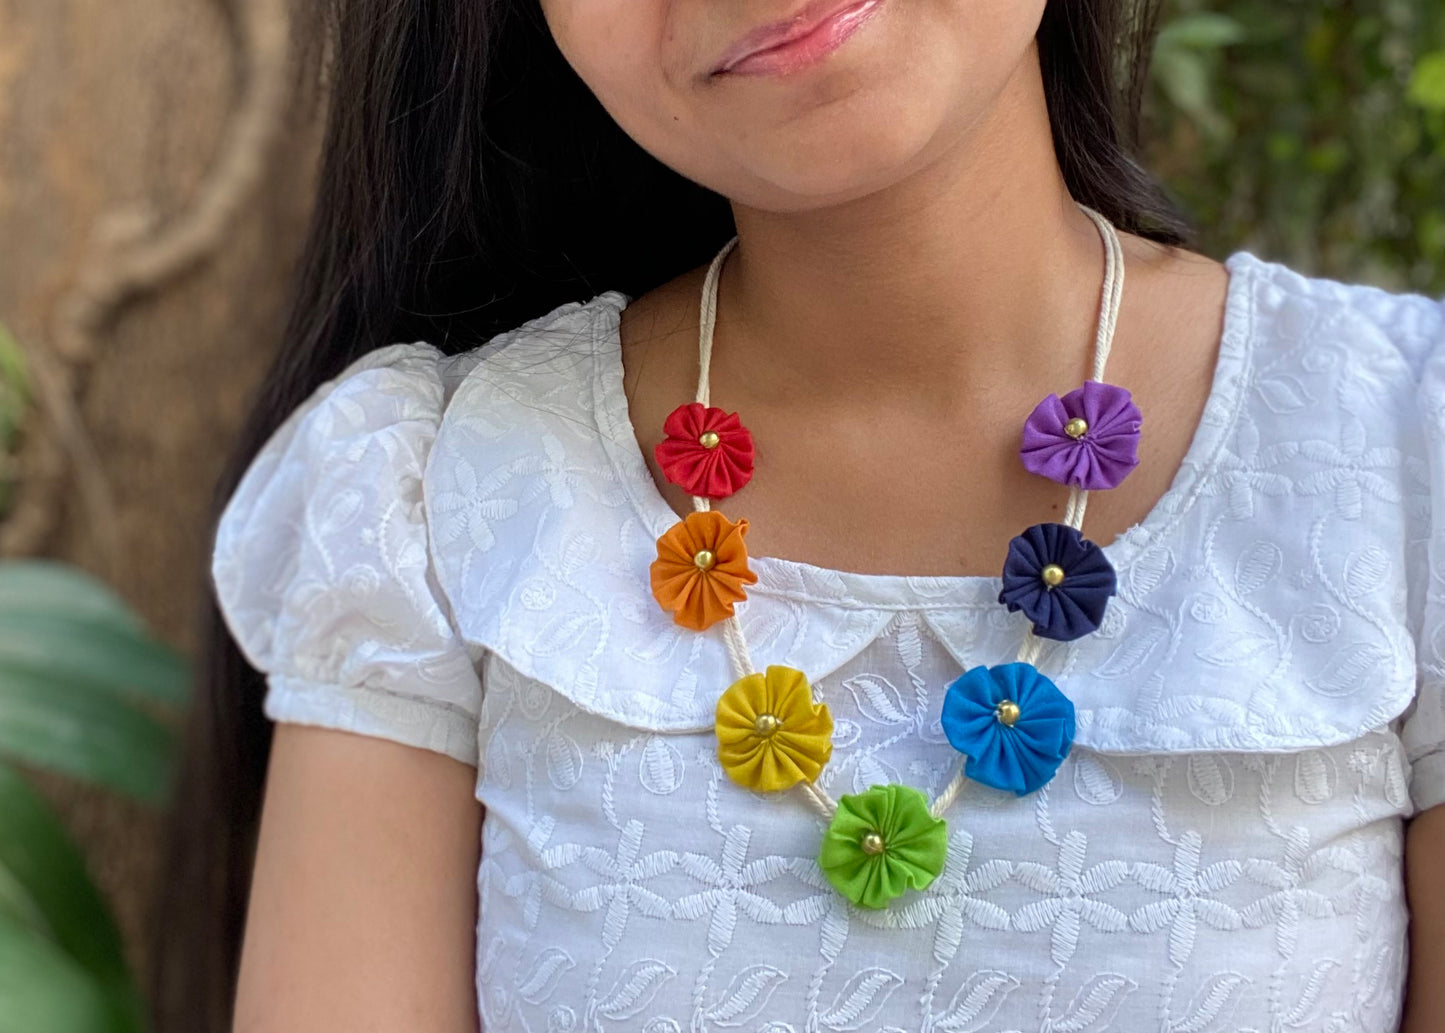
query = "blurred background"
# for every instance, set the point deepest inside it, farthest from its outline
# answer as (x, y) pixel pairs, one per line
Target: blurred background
(156, 159)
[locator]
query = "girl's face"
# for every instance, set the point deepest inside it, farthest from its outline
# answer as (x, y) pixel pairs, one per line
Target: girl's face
(906, 84)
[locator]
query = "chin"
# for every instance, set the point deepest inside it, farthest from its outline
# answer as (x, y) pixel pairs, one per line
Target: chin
(802, 178)
(854, 150)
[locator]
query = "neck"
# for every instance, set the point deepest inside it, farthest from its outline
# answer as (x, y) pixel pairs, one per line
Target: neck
(976, 268)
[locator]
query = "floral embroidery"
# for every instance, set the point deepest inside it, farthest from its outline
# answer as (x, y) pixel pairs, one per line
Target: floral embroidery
(1088, 439)
(882, 842)
(770, 733)
(700, 569)
(706, 452)
(1013, 723)
(1061, 580)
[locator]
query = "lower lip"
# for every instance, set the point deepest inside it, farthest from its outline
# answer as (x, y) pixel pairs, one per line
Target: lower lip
(827, 37)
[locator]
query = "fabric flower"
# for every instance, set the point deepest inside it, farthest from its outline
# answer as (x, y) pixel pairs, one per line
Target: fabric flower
(770, 733)
(1060, 579)
(706, 452)
(880, 843)
(701, 568)
(1013, 723)
(1088, 439)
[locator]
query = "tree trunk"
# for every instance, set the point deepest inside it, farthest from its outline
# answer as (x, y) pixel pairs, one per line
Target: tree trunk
(156, 165)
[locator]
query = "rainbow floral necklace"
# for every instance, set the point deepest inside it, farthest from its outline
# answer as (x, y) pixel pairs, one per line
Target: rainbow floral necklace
(1011, 724)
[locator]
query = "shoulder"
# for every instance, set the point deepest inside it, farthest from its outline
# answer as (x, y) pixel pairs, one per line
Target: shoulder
(1344, 373)
(540, 370)
(439, 422)
(1292, 310)
(535, 447)
(516, 382)
(555, 344)
(339, 560)
(407, 435)
(553, 378)
(488, 440)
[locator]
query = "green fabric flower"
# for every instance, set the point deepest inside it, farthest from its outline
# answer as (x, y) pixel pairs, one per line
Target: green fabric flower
(882, 842)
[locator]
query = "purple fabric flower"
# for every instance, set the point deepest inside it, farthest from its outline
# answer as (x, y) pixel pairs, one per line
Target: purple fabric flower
(1060, 579)
(1104, 450)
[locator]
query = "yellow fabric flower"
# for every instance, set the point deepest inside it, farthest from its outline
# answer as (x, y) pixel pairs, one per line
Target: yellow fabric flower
(770, 733)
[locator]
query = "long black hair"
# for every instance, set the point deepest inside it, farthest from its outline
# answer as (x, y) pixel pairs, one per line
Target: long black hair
(469, 182)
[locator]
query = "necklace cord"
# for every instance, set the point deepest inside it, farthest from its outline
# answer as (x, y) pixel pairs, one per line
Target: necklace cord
(708, 320)
(1111, 294)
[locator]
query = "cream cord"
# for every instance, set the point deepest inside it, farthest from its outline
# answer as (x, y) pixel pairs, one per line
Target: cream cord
(1112, 294)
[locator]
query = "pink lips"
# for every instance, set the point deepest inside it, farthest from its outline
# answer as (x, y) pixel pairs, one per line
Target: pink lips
(816, 31)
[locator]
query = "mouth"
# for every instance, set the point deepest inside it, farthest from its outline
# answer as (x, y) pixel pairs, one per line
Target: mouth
(808, 36)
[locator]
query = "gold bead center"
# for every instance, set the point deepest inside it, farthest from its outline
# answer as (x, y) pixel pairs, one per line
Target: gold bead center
(1008, 712)
(1076, 427)
(766, 724)
(709, 439)
(872, 843)
(1053, 575)
(704, 559)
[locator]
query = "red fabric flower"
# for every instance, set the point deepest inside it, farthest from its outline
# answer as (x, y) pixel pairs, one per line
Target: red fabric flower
(707, 452)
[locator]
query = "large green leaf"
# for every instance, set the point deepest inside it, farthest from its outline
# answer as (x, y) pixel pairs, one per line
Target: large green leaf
(72, 655)
(53, 922)
(38, 586)
(82, 653)
(46, 892)
(87, 735)
(44, 991)
(39, 860)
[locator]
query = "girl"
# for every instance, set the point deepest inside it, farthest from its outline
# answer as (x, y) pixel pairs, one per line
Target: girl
(760, 525)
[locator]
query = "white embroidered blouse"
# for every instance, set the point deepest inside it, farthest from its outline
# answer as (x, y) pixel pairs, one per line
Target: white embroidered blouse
(453, 552)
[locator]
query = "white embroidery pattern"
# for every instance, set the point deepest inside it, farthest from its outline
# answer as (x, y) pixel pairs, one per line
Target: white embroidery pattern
(1259, 711)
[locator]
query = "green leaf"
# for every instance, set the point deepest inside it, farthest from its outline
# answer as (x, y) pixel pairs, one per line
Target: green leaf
(46, 890)
(1328, 157)
(43, 991)
(14, 385)
(1185, 79)
(54, 926)
(48, 586)
(61, 622)
(82, 655)
(1203, 30)
(86, 735)
(1427, 82)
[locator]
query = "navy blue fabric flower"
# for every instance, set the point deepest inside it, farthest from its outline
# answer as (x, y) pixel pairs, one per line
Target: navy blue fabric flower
(1012, 722)
(1060, 579)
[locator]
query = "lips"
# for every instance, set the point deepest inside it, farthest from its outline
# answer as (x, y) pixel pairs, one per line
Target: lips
(777, 34)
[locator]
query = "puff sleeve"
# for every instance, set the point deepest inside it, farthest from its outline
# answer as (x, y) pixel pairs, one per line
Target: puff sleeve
(322, 563)
(1423, 731)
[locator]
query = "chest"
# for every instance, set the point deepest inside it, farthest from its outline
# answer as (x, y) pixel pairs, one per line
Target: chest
(625, 879)
(922, 500)
(1220, 850)
(929, 482)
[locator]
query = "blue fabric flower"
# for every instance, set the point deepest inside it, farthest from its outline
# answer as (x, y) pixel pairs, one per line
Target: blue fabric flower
(1013, 723)
(1060, 579)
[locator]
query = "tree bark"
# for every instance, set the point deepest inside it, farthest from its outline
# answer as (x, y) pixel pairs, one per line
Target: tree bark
(119, 123)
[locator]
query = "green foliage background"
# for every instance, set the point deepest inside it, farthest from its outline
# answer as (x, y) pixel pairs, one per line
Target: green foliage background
(1308, 131)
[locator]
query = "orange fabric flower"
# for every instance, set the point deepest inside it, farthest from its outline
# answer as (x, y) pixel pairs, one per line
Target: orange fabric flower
(700, 569)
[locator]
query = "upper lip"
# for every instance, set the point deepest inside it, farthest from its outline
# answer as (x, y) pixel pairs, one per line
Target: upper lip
(777, 33)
